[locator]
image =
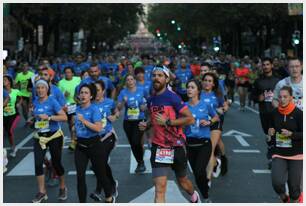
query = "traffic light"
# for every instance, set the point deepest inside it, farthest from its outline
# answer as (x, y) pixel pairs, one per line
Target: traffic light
(178, 28)
(296, 38)
(172, 21)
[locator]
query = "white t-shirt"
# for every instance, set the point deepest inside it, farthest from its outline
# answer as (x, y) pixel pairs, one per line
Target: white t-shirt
(296, 88)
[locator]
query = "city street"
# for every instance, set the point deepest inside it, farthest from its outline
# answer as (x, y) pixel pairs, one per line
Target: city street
(247, 180)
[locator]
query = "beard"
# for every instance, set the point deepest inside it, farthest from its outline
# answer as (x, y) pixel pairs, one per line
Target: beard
(158, 86)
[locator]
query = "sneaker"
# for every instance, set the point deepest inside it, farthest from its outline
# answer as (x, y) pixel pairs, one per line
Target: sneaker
(52, 182)
(286, 199)
(95, 196)
(217, 169)
(269, 164)
(140, 168)
(62, 194)
(115, 193)
(207, 200)
(40, 197)
(112, 201)
(198, 198)
(13, 153)
(209, 184)
(223, 165)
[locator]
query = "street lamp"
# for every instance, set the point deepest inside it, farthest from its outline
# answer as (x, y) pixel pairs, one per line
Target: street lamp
(178, 28)
(172, 21)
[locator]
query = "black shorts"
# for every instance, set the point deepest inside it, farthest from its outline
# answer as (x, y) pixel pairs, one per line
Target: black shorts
(218, 125)
(179, 164)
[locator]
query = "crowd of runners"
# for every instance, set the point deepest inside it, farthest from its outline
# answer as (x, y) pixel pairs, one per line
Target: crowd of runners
(177, 104)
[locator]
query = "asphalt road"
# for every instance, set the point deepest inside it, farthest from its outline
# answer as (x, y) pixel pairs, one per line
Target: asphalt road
(247, 180)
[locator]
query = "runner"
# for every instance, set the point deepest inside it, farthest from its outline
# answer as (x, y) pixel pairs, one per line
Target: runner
(133, 99)
(198, 136)
(212, 94)
(295, 81)
(109, 114)
(264, 87)
(242, 83)
(48, 113)
(22, 80)
(89, 146)
(11, 116)
(141, 82)
(168, 115)
(183, 74)
(286, 131)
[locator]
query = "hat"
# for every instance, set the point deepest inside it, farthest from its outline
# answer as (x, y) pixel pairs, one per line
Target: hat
(163, 69)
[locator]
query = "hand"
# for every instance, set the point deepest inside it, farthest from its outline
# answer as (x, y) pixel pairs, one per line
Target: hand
(286, 133)
(67, 94)
(261, 98)
(81, 118)
(65, 108)
(204, 122)
(43, 116)
(112, 118)
(271, 132)
(160, 119)
(220, 111)
(142, 126)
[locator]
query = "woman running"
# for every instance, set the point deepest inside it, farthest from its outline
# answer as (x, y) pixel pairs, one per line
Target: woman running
(89, 145)
(287, 152)
(133, 98)
(48, 113)
(198, 136)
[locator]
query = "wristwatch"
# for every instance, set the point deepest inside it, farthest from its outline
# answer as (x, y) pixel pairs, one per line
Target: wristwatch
(168, 122)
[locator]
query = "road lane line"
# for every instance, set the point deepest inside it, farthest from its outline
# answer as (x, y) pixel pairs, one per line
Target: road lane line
(242, 141)
(261, 171)
(23, 142)
(246, 151)
(88, 172)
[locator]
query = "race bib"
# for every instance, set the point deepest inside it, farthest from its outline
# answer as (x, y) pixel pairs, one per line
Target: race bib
(183, 86)
(8, 110)
(133, 113)
(282, 141)
(268, 96)
(23, 85)
(104, 121)
(164, 155)
(71, 108)
(112, 78)
(44, 124)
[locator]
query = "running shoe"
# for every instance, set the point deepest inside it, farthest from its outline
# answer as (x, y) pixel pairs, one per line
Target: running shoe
(198, 198)
(62, 194)
(112, 201)
(140, 168)
(95, 196)
(223, 165)
(217, 168)
(116, 193)
(71, 146)
(40, 197)
(13, 153)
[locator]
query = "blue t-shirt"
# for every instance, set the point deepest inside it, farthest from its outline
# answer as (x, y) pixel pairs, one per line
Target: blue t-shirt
(201, 111)
(148, 72)
(222, 86)
(5, 94)
(106, 107)
(78, 68)
(211, 98)
(147, 87)
(91, 114)
(183, 76)
(54, 92)
(133, 102)
(48, 107)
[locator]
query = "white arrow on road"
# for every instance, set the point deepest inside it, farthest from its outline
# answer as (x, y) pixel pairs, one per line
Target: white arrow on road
(239, 136)
(173, 195)
(146, 159)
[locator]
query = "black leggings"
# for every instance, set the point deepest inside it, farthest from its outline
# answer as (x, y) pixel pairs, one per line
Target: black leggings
(94, 151)
(198, 152)
(135, 137)
(55, 147)
(265, 119)
(290, 171)
(108, 146)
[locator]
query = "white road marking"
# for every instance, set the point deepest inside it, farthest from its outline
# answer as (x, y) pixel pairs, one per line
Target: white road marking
(247, 107)
(24, 141)
(25, 167)
(241, 140)
(88, 172)
(261, 171)
(246, 151)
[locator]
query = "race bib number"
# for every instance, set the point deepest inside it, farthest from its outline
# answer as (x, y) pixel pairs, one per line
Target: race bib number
(268, 96)
(112, 78)
(44, 124)
(183, 86)
(282, 141)
(23, 85)
(133, 113)
(164, 155)
(71, 108)
(8, 110)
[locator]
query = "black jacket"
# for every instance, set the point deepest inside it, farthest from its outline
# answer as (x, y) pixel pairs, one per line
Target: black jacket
(292, 122)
